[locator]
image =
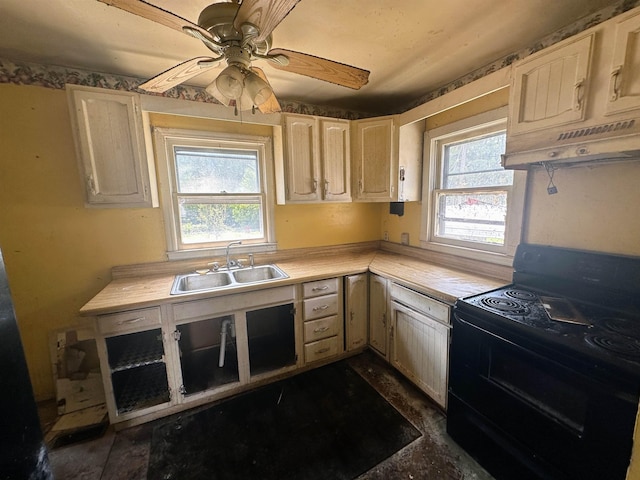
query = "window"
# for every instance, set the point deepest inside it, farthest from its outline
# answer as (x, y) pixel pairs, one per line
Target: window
(473, 205)
(215, 190)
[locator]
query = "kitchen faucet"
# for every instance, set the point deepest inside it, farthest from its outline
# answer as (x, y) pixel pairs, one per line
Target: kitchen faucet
(232, 263)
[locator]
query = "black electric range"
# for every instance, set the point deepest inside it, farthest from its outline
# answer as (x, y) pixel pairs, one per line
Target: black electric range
(545, 372)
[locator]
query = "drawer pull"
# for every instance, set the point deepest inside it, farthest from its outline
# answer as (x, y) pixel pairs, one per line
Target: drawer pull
(320, 329)
(319, 289)
(321, 307)
(131, 320)
(323, 350)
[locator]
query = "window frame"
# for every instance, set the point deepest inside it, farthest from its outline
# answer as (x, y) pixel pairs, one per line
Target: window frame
(165, 141)
(480, 125)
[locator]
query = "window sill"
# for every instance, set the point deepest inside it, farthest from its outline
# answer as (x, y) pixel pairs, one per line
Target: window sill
(474, 254)
(220, 251)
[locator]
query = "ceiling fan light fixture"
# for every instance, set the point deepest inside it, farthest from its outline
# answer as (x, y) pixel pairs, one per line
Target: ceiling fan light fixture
(230, 82)
(259, 91)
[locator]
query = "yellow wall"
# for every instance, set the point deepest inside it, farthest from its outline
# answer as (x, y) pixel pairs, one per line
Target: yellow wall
(59, 254)
(596, 208)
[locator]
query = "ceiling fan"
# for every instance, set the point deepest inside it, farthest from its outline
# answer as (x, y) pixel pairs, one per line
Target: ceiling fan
(239, 33)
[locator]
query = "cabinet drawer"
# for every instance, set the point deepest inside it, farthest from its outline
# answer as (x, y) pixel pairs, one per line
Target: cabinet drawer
(321, 306)
(132, 320)
(321, 287)
(321, 349)
(421, 303)
(322, 328)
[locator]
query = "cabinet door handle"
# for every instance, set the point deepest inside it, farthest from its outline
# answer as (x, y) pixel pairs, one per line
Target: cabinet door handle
(323, 350)
(578, 91)
(326, 188)
(320, 329)
(384, 319)
(130, 321)
(614, 88)
(315, 185)
(321, 307)
(318, 289)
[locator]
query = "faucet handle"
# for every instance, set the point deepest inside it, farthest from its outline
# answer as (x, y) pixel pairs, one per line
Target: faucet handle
(215, 266)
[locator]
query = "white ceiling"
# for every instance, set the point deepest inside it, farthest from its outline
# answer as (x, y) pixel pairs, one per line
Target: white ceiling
(411, 47)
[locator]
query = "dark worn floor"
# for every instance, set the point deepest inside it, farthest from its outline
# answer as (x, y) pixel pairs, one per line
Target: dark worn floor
(124, 455)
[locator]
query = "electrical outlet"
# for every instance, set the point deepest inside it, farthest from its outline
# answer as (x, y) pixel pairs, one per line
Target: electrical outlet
(386, 236)
(404, 238)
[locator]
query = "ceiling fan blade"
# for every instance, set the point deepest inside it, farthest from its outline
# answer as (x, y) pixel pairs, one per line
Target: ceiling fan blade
(178, 74)
(271, 105)
(263, 14)
(155, 14)
(321, 68)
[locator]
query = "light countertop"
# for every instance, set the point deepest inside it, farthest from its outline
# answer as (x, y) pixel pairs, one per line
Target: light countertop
(437, 281)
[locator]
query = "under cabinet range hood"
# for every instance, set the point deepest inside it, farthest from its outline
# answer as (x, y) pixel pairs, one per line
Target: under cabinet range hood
(578, 100)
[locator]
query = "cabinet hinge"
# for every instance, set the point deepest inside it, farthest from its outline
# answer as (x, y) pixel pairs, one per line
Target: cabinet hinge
(176, 335)
(182, 390)
(293, 311)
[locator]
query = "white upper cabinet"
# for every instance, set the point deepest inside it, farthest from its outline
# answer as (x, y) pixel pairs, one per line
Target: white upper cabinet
(387, 160)
(317, 159)
(578, 100)
(549, 88)
(336, 160)
(110, 143)
(624, 82)
(374, 162)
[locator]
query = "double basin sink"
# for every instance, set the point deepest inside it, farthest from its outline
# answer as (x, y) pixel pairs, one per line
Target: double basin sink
(225, 279)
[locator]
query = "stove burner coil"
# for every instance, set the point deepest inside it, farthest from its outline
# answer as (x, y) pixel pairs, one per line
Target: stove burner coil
(505, 305)
(520, 295)
(623, 326)
(620, 345)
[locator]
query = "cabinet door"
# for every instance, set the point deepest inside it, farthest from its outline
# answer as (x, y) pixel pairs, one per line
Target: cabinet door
(134, 373)
(374, 165)
(302, 168)
(550, 88)
(356, 311)
(336, 160)
(624, 83)
(420, 349)
(378, 302)
(108, 130)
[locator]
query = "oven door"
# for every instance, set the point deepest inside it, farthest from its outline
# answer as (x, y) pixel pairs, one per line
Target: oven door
(557, 414)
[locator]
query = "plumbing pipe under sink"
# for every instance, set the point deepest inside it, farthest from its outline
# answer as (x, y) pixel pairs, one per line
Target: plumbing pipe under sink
(223, 339)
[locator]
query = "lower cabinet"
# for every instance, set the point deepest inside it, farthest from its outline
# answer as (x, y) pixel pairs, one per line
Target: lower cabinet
(190, 352)
(132, 347)
(167, 358)
(419, 340)
(378, 313)
(322, 315)
(356, 310)
(208, 354)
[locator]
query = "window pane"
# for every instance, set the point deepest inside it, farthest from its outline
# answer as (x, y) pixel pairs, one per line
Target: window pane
(478, 217)
(202, 222)
(475, 163)
(217, 171)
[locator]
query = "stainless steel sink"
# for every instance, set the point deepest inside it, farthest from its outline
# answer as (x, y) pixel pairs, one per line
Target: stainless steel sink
(196, 282)
(262, 273)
